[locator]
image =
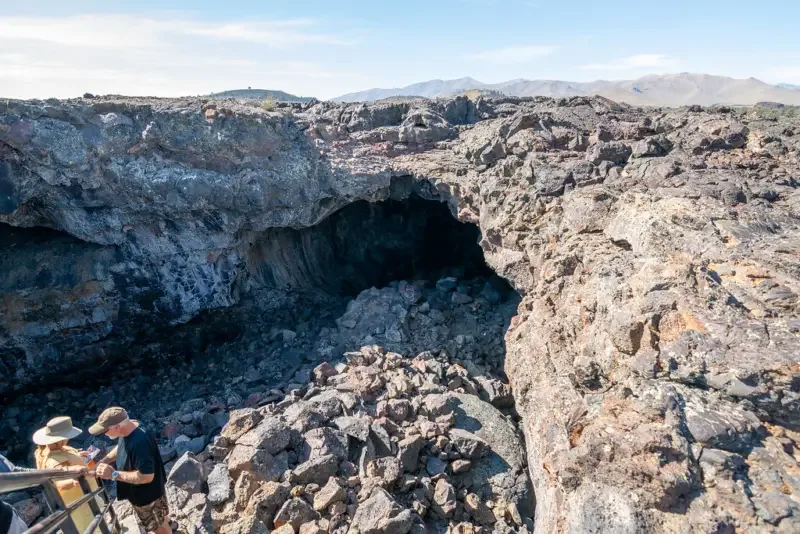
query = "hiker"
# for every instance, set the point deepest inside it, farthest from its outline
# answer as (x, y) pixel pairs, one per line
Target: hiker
(139, 475)
(10, 521)
(54, 453)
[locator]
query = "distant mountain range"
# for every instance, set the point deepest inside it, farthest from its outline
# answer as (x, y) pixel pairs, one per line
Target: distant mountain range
(261, 94)
(656, 90)
(789, 86)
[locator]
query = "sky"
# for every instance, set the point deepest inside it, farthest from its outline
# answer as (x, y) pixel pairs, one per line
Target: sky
(65, 48)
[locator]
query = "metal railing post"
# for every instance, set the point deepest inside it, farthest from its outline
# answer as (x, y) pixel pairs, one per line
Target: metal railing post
(60, 516)
(85, 488)
(53, 498)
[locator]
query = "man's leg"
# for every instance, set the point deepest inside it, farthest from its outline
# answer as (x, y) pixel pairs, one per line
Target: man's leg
(155, 516)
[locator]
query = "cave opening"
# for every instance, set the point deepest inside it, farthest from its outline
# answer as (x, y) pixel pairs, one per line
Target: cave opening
(302, 296)
(367, 245)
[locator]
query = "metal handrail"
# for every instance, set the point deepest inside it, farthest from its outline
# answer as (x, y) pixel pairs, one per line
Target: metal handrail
(30, 479)
(54, 520)
(60, 516)
(99, 517)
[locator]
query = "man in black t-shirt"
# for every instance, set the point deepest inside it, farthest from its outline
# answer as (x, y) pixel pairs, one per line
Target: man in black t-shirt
(140, 472)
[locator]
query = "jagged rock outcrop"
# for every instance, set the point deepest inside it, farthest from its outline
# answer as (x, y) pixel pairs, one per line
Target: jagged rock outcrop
(654, 357)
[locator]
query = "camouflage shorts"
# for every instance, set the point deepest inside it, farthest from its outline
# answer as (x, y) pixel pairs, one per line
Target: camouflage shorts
(153, 515)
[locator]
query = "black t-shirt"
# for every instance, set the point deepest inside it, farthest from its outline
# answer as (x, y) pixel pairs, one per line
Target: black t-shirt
(138, 452)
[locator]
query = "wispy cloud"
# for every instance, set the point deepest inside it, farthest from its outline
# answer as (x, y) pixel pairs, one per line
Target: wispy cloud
(161, 54)
(280, 34)
(125, 31)
(639, 61)
(513, 54)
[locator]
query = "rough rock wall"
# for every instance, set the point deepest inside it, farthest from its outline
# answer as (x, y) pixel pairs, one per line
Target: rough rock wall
(655, 355)
(173, 191)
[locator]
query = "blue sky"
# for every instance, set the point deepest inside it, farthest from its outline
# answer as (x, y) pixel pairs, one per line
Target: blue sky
(327, 48)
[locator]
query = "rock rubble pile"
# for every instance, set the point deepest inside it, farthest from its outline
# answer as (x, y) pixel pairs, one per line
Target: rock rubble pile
(382, 442)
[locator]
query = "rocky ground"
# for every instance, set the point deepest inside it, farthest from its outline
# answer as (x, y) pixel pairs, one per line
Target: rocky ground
(653, 359)
(381, 443)
(394, 420)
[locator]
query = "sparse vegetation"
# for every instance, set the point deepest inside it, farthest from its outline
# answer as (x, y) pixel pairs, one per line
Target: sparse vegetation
(474, 94)
(269, 103)
(260, 94)
(777, 112)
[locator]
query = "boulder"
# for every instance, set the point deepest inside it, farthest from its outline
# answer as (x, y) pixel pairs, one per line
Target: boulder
(381, 514)
(219, 484)
(435, 465)
(444, 499)
(316, 470)
(388, 469)
(268, 497)
(355, 426)
(240, 422)
(468, 444)
(272, 435)
(295, 512)
(408, 450)
(247, 458)
(481, 513)
(186, 474)
(616, 152)
(29, 509)
(330, 493)
(325, 441)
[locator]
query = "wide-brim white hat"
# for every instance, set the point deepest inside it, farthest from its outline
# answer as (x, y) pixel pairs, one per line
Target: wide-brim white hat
(57, 429)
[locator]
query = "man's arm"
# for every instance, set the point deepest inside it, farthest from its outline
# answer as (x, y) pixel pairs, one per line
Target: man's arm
(104, 471)
(111, 457)
(12, 467)
(135, 477)
(141, 465)
(18, 469)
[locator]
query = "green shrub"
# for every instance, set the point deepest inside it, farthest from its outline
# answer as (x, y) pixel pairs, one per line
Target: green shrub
(269, 104)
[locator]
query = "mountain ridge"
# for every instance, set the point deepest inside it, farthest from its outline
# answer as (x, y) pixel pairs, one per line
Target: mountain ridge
(651, 90)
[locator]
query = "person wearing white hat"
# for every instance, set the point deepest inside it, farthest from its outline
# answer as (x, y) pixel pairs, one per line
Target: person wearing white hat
(53, 453)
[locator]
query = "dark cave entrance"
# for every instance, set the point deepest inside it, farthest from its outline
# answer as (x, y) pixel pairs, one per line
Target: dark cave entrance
(301, 280)
(367, 245)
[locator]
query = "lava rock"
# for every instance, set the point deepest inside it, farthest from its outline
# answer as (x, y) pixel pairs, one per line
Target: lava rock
(272, 435)
(330, 493)
(444, 499)
(358, 427)
(381, 514)
(295, 512)
(219, 484)
(316, 470)
(408, 450)
(468, 444)
(325, 441)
